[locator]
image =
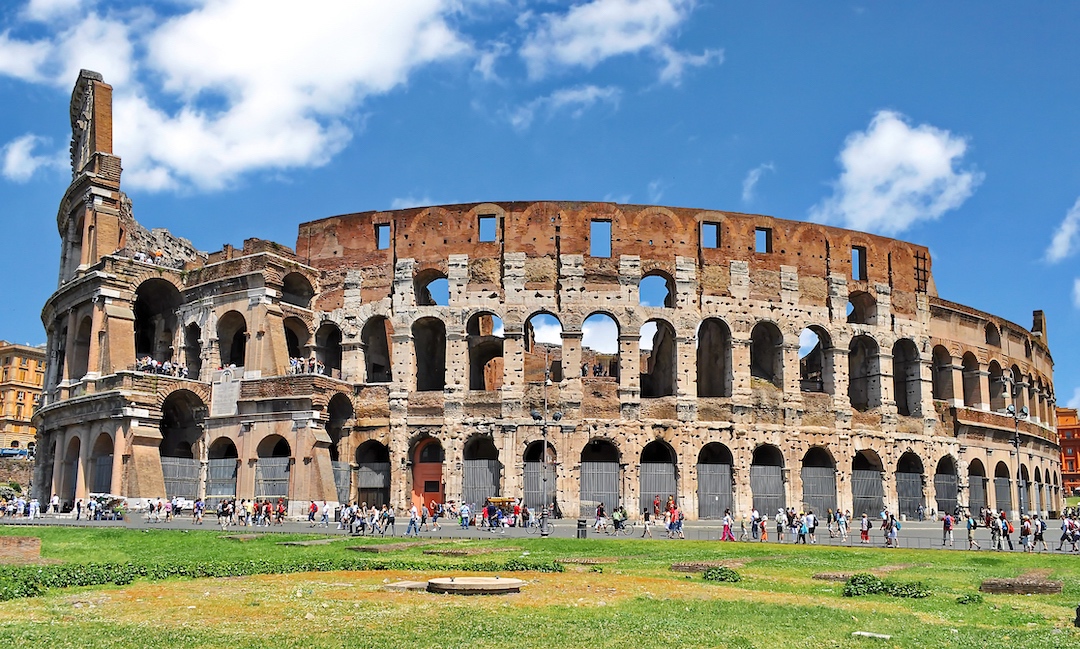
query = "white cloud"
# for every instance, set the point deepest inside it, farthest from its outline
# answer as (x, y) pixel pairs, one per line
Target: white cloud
(895, 175)
(485, 62)
(656, 190)
(19, 161)
(547, 332)
(1066, 239)
(406, 202)
(46, 10)
(589, 33)
(808, 340)
(752, 178)
(1076, 292)
(648, 331)
(1074, 401)
(574, 100)
(600, 334)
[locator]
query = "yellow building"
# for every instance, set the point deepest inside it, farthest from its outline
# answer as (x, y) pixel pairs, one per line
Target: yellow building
(22, 373)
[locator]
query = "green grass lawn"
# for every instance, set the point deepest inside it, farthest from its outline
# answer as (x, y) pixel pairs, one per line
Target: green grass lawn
(636, 599)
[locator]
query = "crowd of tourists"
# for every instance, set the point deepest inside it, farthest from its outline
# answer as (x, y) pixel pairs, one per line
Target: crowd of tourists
(168, 368)
(20, 507)
(300, 365)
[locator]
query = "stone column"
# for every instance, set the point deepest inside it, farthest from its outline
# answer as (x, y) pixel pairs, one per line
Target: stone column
(58, 463)
(80, 475)
(984, 388)
(116, 482)
(96, 334)
(956, 376)
(69, 348)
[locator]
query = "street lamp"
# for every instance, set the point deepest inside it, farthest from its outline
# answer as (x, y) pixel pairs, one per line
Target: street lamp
(542, 418)
(1016, 389)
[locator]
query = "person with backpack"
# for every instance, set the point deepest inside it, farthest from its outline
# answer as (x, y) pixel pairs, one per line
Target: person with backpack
(947, 530)
(1025, 533)
(971, 525)
(1040, 531)
(1006, 530)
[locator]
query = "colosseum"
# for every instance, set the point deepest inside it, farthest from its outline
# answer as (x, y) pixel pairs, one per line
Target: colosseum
(566, 352)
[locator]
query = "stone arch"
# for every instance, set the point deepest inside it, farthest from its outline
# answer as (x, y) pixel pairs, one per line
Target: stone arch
(993, 335)
(1002, 488)
(373, 474)
(862, 308)
(716, 489)
(80, 358)
(658, 472)
(942, 373)
(867, 483)
(946, 485)
(659, 376)
(816, 372)
(431, 287)
(818, 481)
(997, 385)
(481, 470)
(297, 337)
(539, 474)
(273, 468)
(193, 350)
(907, 378)
(429, 343)
(977, 484)
(767, 479)
(543, 347)
(156, 302)
(427, 457)
(232, 339)
(328, 348)
(972, 382)
(600, 475)
(222, 468)
(714, 368)
(909, 484)
(339, 410)
(657, 289)
(296, 290)
(484, 332)
(101, 464)
(864, 373)
(378, 357)
(182, 415)
(70, 471)
(767, 353)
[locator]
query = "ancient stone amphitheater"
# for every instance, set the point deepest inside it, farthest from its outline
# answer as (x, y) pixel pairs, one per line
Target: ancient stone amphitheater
(728, 360)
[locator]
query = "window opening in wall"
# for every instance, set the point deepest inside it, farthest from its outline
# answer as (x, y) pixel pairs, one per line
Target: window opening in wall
(815, 361)
(432, 289)
(488, 228)
(382, 236)
(600, 239)
(485, 340)
(656, 289)
(907, 384)
(375, 337)
(429, 342)
(864, 373)
(543, 348)
(710, 235)
(767, 354)
(713, 359)
(600, 347)
(762, 239)
(858, 263)
(861, 308)
(993, 336)
(659, 359)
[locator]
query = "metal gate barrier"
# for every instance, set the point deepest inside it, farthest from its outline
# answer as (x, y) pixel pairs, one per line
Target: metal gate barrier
(181, 477)
(480, 481)
(909, 493)
(102, 474)
(656, 478)
(867, 493)
(373, 483)
(272, 478)
(534, 485)
(767, 486)
(976, 493)
(1025, 496)
(819, 490)
(599, 484)
(1037, 504)
(342, 478)
(945, 489)
(220, 481)
(714, 490)
(1003, 494)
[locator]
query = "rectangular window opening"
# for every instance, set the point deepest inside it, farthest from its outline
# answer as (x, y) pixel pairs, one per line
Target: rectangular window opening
(382, 236)
(858, 263)
(488, 230)
(710, 235)
(762, 239)
(431, 486)
(600, 239)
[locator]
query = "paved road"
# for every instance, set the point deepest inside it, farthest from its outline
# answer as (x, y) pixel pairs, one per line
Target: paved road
(926, 535)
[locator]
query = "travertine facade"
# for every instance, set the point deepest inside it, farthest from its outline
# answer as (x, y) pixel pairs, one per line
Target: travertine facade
(900, 401)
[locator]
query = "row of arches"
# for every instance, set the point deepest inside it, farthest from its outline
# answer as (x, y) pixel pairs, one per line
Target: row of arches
(1028, 390)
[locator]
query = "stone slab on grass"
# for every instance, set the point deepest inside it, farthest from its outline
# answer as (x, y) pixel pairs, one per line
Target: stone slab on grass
(467, 552)
(19, 549)
(308, 543)
(386, 547)
(243, 538)
(1022, 586)
(587, 561)
(399, 586)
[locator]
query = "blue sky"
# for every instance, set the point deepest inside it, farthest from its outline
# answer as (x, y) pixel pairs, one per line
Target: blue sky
(953, 125)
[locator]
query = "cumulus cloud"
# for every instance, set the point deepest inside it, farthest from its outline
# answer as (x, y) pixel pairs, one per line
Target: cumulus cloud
(1066, 239)
(546, 329)
(808, 340)
(648, 332)
(600, 334)
(752, 178)
(592, 32)
(895, 175)
(19, 162)
(656, 189)
(574, 101)
(1074, 401)
(1076, 292)
(406, 202)
(46, 10)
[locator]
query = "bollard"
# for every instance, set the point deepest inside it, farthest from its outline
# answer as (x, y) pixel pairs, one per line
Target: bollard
(582, 528)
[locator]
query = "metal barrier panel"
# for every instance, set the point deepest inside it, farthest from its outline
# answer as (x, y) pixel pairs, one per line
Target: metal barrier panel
(272, 478)
(534, 485)
(767, 486)
(102, 475)
(480, 480)
(599, 484)
(342, 477)
(867, 493)
(373, 483)
(976, 493)
(1003, 494)
(945, 487)
(1024, 496)
(1038, 503)
(656, 478)
(220, 481)
(909, 493)
(714, 490)
(819, 489)
(181, 477)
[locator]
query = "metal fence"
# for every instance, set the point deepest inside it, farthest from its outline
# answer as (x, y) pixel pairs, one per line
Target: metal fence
(1003, 494)
(272, 478)
(909, 493)
(945, 486)
(102, 483)
(657, 478)
(220, 481)
(373, 483)
(181, 477)
(819, 489)
(767, 486)
(480, 480)
(342, 478)
(534, 485)
(714, 490)
(976, 493)
(599, 484)
(867, 493)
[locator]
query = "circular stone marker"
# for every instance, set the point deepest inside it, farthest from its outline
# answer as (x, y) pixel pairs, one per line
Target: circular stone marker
(474, 585)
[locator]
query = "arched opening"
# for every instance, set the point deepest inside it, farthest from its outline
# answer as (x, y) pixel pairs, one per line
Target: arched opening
(156, 302)
(659, 359)
(272, 469)
(972, 384)
(539, 479)
(815, 360)
(297, 338)
(600, 347)
(432, 288)
(482, 470)
(767, 479)
(1038, 503)
(328, 349)
(1023, 489)
(713, 359)
(101, 463)
(543, 348)
(1019, 383)
(429, 343)
(427, 471)
(599, 476)
(182, 415)
(716, 489)
(993, 336)
(375, 337)
(1002, 488)
(221, 471)
(767, 354)
(977, 483)
(946, 485)
(907, 379)
(296, 290)
(658, 473)
(818, 481)
(998, 387)
(232, 339)
(70, 473)
(864, 373)
(867, 484)
(943, 374)
(656, 288)
(193, 350)
(862, 308)
(485, 340)
(373, 474)
(909, 484)
(339, 411)
(80, 359)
